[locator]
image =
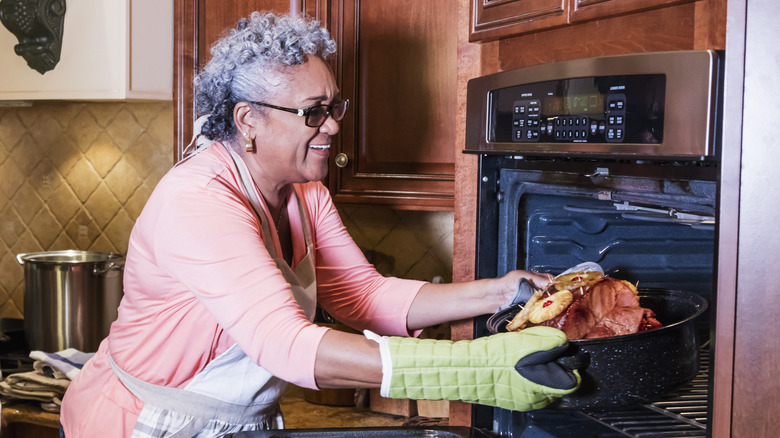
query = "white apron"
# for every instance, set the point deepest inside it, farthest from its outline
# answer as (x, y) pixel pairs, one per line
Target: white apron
(231, 394)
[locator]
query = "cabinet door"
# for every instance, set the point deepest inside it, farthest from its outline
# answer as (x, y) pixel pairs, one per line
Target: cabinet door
(493, 19)
(397, 65)
(583, 10)
(197, 24)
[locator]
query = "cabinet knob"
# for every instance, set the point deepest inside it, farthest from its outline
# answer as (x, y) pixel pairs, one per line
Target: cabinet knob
(342, 160)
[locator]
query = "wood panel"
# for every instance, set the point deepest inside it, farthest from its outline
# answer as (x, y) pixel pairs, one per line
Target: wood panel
(473, 61)
(584, 10)
(671, 28)
(398, 70)
(493, 19)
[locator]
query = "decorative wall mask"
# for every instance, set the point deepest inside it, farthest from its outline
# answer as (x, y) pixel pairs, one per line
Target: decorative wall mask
(37, 24)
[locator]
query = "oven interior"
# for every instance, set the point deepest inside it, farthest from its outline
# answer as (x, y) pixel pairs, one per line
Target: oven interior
(648, 222)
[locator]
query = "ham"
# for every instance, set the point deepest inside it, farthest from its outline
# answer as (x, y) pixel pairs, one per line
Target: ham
(607, 308)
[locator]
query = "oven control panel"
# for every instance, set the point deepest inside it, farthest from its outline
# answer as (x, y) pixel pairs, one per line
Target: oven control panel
(602, 110)
(528, 124)
(663, 104)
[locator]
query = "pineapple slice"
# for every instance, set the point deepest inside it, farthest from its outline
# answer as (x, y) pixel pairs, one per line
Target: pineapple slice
(576, 280)
(550, 307)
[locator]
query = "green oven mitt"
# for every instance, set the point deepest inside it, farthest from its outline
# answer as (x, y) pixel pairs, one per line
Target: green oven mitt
(514, 370)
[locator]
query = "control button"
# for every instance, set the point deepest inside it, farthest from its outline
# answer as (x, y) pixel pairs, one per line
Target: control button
(618, 120)
(558, 122)
(612, 105)
(611, 120)
(519, 110)
(557, 134)
(515, 123)
(594, 127)
(549, 128)
(584, 133)
(565, 122)
(602, 127)
(584, 121)
(576, 134)
(611, 134)
(619, 104)
(520, 123)
(519, 134)
(535, 134)
(618, 133)
(528, 134)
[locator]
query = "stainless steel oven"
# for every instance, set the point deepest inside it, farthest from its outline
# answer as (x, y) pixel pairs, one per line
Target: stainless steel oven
(613, 160)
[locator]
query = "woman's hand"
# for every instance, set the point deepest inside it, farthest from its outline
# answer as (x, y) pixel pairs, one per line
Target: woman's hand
(513, 291)
(438, 303)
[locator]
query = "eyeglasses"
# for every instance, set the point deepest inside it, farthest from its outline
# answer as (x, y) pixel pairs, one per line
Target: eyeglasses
(315, 115)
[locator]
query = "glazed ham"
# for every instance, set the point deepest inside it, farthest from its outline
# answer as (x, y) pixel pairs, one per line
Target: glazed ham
(608, 308)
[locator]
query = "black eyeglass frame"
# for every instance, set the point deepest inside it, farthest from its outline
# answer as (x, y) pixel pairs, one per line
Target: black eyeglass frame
(306, 112)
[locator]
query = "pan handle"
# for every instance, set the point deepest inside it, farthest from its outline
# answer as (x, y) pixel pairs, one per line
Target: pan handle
(574, 360)
(20, 257)
(112, 266)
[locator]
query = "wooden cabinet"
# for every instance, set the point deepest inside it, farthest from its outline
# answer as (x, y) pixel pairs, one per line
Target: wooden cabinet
(111, 50)
(494, 19)
(396, 64)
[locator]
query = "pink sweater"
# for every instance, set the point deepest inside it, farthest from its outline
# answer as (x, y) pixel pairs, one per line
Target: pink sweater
(198, 279)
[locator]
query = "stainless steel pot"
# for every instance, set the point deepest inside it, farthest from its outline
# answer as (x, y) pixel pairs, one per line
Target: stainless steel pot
(70, 298)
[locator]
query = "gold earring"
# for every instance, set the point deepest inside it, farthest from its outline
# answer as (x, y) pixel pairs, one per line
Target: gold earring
(249, 145)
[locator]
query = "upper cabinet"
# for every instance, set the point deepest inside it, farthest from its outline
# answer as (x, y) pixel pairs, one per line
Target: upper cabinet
(396, 63)
(496, 19)
(111, 50)
(493, 19)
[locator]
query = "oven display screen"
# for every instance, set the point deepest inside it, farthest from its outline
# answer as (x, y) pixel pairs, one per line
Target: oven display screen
(578, 104)
(603, 109)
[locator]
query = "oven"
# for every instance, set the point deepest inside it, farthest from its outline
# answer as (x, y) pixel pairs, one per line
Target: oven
(613, 160)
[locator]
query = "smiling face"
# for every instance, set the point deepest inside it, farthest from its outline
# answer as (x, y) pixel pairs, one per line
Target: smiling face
(288, 151)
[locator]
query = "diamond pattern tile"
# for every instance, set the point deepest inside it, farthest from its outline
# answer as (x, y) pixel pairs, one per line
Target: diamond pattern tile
(84, 129)
(26, 154)
(11, 129)
(68, 182)
(102, 205)
(124, 129)
(103, 155)
(408, 244)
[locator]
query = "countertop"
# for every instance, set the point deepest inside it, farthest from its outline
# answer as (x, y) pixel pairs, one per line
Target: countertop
(29, 412)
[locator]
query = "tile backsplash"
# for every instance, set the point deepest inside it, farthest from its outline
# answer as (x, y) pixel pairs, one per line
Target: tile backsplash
(76, 175)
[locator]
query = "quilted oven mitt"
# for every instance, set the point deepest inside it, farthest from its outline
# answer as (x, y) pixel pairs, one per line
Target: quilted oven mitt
(514, 370)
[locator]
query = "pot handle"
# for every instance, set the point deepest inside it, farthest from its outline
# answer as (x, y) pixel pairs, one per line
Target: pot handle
(109, 267)
(573, 358)
(20, 257)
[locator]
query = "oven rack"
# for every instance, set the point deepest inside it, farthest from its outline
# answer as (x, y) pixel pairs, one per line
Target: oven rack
(681, 414)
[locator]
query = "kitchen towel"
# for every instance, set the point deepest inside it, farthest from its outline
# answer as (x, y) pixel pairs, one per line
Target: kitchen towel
(65, 363)
(51, 375)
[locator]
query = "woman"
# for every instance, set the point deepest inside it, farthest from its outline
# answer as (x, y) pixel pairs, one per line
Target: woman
(235, 248)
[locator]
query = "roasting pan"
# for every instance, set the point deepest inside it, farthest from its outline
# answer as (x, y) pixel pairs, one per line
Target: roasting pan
(637, 368)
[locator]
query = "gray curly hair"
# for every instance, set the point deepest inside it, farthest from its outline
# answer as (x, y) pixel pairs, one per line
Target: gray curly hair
(243, 60)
